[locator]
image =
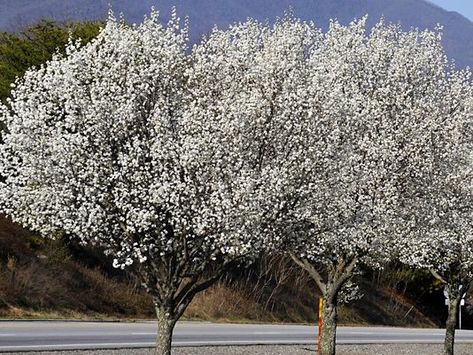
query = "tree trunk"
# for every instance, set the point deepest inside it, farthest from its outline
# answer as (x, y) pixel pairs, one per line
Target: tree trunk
(451, 324)
(338, 275)
(329, 328)
(166, 325)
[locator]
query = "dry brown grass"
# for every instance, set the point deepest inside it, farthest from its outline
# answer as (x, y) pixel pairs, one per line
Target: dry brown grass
(41, 279)
(276, 291)
(70, 290)
(225, 304)
(271, 290)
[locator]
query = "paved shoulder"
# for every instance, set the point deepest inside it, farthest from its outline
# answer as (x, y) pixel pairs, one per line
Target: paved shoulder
(39, 335)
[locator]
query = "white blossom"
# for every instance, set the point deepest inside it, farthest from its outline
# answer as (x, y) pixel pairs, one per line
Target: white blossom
(332, 127)
(104, 144)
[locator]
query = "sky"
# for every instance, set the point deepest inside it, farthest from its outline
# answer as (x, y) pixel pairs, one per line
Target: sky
(464, 7)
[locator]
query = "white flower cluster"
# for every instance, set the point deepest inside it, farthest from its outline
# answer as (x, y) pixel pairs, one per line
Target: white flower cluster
(335, 129)
(102, 145)
(336, 145)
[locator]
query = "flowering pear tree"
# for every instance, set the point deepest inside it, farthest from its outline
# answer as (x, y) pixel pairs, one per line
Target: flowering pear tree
(376, 99)
(249, 79)
(346, 114)
(102, 144)
(256, 88)
(437, 212)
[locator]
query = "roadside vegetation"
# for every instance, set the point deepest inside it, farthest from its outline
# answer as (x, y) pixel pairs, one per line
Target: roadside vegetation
(49, 279)
(241, 180)
(35, 45)
(54, 280)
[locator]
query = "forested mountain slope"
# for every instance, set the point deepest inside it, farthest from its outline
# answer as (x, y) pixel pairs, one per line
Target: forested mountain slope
(203, 14)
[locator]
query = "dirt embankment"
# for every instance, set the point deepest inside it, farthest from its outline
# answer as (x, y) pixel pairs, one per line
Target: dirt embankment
(53, 279)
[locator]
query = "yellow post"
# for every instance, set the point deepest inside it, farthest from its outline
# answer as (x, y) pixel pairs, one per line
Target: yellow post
(321, 310)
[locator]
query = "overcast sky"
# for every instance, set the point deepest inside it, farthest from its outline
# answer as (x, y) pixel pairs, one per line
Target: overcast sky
(464, 7)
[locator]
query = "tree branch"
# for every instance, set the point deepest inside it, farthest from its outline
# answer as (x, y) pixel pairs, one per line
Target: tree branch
(186, 296)
(346, 274)
(307, 266)
(438, 276)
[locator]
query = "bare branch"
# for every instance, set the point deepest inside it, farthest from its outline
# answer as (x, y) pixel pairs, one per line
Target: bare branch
(312, 271)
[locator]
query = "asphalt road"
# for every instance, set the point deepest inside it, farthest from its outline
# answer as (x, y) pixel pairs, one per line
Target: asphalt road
(58, 335)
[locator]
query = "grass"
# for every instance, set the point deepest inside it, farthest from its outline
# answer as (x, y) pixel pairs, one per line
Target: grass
(41, 279)
(44, 280)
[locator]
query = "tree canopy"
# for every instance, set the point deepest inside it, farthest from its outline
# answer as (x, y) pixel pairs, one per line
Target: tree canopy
(35, 45)
(334, 148)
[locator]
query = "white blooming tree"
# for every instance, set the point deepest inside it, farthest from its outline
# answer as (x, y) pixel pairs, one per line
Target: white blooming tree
(437, 213)
(330, 126)
(254, 95)
(374, 101)
(103, 145)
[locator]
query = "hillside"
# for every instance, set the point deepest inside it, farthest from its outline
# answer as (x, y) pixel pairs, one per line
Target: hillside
(40, 278)
(458, 30)
(47, 279)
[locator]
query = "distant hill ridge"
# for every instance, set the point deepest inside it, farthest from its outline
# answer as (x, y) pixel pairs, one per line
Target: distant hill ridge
(203, 14)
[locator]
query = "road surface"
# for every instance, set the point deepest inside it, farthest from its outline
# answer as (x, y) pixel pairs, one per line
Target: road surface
(59, 335)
